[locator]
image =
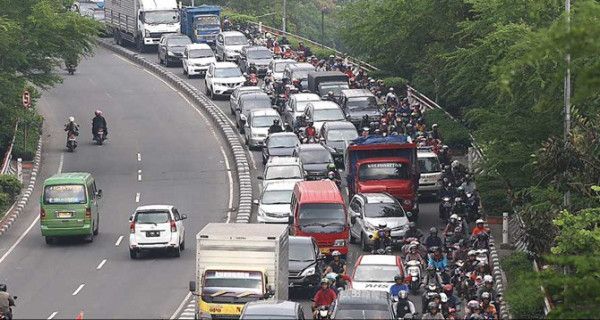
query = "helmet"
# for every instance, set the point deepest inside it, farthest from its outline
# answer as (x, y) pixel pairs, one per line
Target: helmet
(433, 230)
(412, 224)
(445, 147)
(252, 64)
(330, 93)
(285, 79)
(473, 304)
(398, 277)
(269, 72)
(460, 189)
(443, 297)
(98, 112)
(432, 305)
(402, 294)
(458, 199)
(331, 277)
(276, 121)
(454, 216)
(488, 278)
(382, 225)
(325, 280)
(472, 253)
(331, 166)
(448, 288)
(455, 163)
(391, 89)
(434, 125)
(3, 287)
(310, 123)
(479, 221)
(411, 247)
(71, 119)
(336, 253)
(331, 56)
(486, 295)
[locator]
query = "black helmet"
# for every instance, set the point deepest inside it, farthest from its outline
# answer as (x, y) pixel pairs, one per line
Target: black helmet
(398, 277)
(412, 224)
(2, 287)
(432, 305)
(433, 230)
(276, 121)
(382, 225)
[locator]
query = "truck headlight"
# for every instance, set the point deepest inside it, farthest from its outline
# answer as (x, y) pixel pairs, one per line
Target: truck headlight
(146, 33)
(308, 272)
(339, 243)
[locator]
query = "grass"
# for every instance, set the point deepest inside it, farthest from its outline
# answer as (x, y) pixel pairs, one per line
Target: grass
(523, 293)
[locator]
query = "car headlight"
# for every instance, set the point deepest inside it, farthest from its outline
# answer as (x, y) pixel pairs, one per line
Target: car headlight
(308, 272)
(339, 243)
(147, 33)
(370, 227)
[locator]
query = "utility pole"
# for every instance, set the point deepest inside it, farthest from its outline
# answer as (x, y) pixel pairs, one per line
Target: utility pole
(284, 15)
(567, 92)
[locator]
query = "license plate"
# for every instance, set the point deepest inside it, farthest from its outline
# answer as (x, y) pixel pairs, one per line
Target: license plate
(63, 214)
(152, 233)
(325, 250)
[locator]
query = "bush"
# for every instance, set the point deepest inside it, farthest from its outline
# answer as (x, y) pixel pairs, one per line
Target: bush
(26, 146)
(398, 83)
(10, 186)
(523, 293)
(494, 198)
(454, 134)
(5, 202)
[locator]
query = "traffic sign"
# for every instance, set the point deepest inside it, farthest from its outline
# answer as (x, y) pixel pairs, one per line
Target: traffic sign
(26, 99)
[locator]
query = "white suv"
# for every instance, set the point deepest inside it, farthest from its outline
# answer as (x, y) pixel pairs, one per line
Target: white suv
(197, 58)
(282, 169)
(222, 78)
(156, 227)
(431, 171)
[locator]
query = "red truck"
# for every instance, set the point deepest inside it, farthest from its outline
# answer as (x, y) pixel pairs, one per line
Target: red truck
(384, 164)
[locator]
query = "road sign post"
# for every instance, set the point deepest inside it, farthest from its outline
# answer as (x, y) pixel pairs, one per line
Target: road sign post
(26, 99)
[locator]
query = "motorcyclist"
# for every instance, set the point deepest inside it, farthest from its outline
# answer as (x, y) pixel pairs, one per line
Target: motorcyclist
(325, 296)
(444, 155)
(435, 132)
(365, 121)
(71, 127)
(391, 95)
(487, 287)
(298, 84)
(6, 301)
(330, 96)
(269, 78)
(488, 309)
(252, 69)
(288, 127)
(458, 169)
(433, 312)
(332, 170)
(438, 260)
(276, 48)
(413, 254)
(471, 264)
(98, 122)
(337, 264)
(404, 306)
(431, 279)
(413, 231)
(473, 310)
(288, 54)
(275, 127)
(310, 131)
(433, 240)
(479, 228)
(382, 233)
(398, 286)
(453, 300)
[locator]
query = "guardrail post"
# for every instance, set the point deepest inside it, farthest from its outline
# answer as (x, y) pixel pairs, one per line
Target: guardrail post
(260, 26)
(20, 169)
(505, 240)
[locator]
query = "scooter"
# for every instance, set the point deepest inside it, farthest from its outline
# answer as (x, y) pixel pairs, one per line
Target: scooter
(445, 209)
(100, 137)
(72, 141)
(323, 313)
(413, 269)
(71, 68)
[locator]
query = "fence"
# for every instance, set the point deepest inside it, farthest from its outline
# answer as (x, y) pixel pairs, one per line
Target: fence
(8, 155)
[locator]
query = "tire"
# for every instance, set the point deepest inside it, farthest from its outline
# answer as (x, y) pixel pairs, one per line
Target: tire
(141, 47)
(90, 238)
(167, 64)
(363, 243)
(212, 94)
(49, 240)
(352, 239)
(265, 162)
(182, 245)
(133, 254)
(97, 227)
(206, 88)
(177, 252)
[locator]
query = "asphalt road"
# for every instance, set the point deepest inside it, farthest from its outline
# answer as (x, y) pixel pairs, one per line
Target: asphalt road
(152, 129)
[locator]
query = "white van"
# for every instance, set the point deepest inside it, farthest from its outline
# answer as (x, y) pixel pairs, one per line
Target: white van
(431, 172)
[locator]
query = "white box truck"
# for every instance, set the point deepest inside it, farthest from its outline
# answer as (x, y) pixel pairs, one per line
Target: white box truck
(239, 263)
(141, 22)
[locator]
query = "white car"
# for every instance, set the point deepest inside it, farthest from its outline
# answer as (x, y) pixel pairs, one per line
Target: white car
(296, 105)
(320, 112)
(222, 78)
(229, 45)
(156, 227)
(197, 58)
(431, 171)
(257, 127)
(274, 202)
(376, 272)
(282, 169)
(277, 66)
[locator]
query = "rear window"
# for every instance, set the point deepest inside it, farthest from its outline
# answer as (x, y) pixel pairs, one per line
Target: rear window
(152, 217)
(363, 314)
(429, 165)
(65, 194)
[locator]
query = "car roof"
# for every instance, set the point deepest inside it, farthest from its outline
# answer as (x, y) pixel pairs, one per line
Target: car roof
(362, 297)
(191, 46)
(311, 147)
(248, 89)
(283, 161)
(352, 93)
(425, 153)
(68, 178)
(288, 61)
(232, 33)
(264, 112)
(319, 191)
(173, 35)
(339, 125)
(280, 185)
(256, 48)
(301, 65)
(324, 105)
(270, 307)
(283, 134)
(377, 259)
(299, 239)
(378, 198)
(305, 97)
(225, 64)
(154, 207)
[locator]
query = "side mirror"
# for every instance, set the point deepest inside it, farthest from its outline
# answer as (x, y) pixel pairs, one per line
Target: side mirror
(131, 218)
(255, 201)
(183, 217)
(409, 214)
(99, 194)
(291, 220)
(259, 178)
(353, 219)
(192, 286)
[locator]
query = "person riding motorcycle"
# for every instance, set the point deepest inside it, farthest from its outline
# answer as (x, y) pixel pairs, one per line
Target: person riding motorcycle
(325, 296)
(403, 306)
(252, 69)
(473, 310)
(433, 240)
(472, 263)
(488, 309)
(487, 287)
(71, 127)
(413, 254)
(479, 228)
(333, 173)
(287, 127)
(390, 95)
(99, 122)
(438, 260)
(382, 233)
(398, 286)
(310, 131)
(413, 231)
(298, 84)
(6, 301)
(275, 127)
(330, 96)
(444, 155)
(337, 264)
(433, 312)
(453, 300)
(269, 78)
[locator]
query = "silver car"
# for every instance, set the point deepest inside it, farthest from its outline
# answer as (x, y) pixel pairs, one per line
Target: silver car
(368, 210)
(274, 202)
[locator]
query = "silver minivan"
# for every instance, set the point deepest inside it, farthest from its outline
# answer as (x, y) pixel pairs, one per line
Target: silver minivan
(229, 45)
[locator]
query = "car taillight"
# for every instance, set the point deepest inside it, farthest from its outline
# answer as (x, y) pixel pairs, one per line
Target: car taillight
(173, 226)
(88, 213)
(42, 213)
(132, 227)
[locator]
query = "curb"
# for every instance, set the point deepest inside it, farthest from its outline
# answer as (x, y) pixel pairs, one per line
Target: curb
(8, 220)
(498, 280)
(216, 115)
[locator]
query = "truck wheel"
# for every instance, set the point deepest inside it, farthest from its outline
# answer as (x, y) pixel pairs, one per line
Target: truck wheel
(97, 226)
(182, 245)
(140, 45)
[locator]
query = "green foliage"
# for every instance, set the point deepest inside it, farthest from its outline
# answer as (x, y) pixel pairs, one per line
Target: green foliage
(494, 197)
(579, 233)
(523, 292)
(454, 134)
(538, 206)
(398, 83)
(10, 186)
(28, 135)
(5, 202)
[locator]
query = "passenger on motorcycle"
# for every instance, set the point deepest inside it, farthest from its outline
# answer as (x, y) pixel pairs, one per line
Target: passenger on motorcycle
(433, 240)
(71, 127)
(398, 286)
(488, 287)
(438, 260)
(471, 264)
(275, 127)
(391, 95)
(337, 265)
(433, 312)
(6, 301)
(382, 233)
(404, 306)
(325, 296)
(413, 254)
(444, 155)
(473, 310)
(98, 122)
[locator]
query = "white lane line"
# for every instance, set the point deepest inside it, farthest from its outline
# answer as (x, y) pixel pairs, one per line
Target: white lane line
(119, 241)
(78, 289)
(139, 175)
(181, 305)
(228, 168)
(19, 239)
(137, 197)
(251, 156)
(52, 315)
(60, 163)
(126, 60)
(101, 264)
(139, 157)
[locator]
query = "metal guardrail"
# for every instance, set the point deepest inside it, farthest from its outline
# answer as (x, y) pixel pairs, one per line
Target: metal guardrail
(8, 155)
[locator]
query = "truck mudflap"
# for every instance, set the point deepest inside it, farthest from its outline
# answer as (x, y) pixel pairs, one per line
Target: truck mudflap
(220, 310)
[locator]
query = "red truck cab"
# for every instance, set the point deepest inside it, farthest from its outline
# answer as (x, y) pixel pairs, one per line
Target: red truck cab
(319, 211)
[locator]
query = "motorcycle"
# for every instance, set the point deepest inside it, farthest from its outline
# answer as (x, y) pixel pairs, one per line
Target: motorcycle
(473, 207)
(9, 315)
(482, 256)
(413, 269)
(384, 243)
(333, 177)
(445, 208)
(323, 313)
(409, 314)
(72, 141)
(71, 68)
(100, 137)
(251, 80)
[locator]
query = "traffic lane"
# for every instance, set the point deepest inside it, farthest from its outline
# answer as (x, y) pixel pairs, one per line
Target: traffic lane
(115, 167)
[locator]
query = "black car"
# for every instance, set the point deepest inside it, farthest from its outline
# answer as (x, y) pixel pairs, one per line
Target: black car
(280, 144)
(272, 309)
(305, 262)
(260, 56)
(247, 103)
(357, 103)
(171, 47)
(363, 304)
(336, 135)
(315, 159)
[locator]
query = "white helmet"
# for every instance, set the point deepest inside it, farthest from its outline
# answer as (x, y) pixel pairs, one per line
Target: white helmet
(455, 163)
(443, 297)
(336, 253)
(479, 221)
(454, 216)
(488, 278)
(71, 119)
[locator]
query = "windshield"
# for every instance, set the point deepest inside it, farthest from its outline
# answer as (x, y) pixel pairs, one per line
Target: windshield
(335, 87)
(64, 194)
(227, 72)
(236, 40)
(301, 105)
(200, 53)
(383, 210)
(328, 115)
(429, 165)
(283, 172)
(208, 21)
(374, 273)
(233, 279)
(283, 142)
(277, 197)
(260, 54)
(280, 66)
(270, 316)
(159, 17)
(178, 41)
(361, 103)
(341, 135)
(300, 74)
(315, 156)
(152, 217)
(301, 251)
(383, 171)
(322, 213)
(256, 103)
(263, 121)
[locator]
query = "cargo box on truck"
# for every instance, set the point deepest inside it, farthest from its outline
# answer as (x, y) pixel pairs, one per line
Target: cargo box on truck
(238, 263)
(321, 82)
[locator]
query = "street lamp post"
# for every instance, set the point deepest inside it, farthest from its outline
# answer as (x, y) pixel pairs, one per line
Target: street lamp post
(567, 97)
(284, 15)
